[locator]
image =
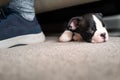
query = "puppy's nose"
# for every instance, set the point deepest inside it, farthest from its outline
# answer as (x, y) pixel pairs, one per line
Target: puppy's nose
(103, 35)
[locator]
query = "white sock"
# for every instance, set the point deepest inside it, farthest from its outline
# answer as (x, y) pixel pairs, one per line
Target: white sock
(24, 7)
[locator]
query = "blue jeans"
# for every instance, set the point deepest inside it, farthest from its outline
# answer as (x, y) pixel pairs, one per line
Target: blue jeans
(24, 7)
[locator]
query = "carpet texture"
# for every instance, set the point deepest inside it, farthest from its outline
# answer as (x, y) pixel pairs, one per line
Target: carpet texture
(53, 60)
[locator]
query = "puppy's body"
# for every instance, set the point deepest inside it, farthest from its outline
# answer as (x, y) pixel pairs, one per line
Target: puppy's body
(89, 27)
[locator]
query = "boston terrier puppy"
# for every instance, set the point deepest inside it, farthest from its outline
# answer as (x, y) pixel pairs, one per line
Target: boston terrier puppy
(89, 27)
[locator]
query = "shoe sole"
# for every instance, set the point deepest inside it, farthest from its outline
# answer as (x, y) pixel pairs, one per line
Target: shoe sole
(25, 39)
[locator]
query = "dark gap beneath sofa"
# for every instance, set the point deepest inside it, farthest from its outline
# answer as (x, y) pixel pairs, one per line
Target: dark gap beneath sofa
(55, 21)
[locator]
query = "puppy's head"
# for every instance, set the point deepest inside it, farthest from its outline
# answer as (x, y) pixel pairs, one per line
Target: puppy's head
(90, 27)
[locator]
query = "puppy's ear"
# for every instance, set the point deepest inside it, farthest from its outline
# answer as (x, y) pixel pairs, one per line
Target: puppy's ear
(74, 23)
(68, 33)
(100, 14)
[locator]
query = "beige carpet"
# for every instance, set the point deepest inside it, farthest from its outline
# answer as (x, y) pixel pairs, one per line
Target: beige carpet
(52, 60)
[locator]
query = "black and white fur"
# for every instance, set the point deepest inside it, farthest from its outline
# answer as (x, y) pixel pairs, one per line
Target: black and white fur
(89, 27)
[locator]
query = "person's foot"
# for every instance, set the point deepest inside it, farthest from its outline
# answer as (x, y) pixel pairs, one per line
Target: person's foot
(15, 30)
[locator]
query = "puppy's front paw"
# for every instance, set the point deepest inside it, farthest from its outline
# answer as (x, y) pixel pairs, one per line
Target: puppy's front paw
(66, 36)
(77, 37)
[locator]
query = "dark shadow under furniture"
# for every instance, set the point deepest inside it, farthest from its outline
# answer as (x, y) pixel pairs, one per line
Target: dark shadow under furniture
(55, 21)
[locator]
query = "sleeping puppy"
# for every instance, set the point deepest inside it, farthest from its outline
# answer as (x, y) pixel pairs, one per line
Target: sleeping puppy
(89, 27)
